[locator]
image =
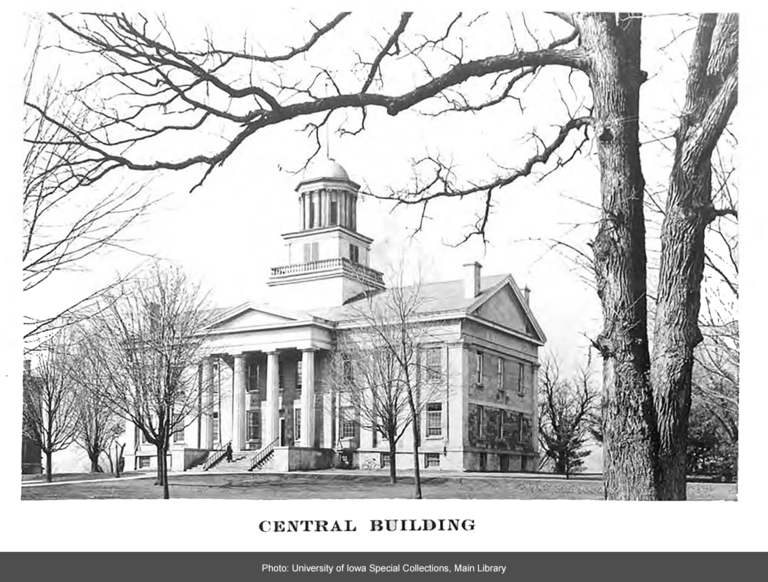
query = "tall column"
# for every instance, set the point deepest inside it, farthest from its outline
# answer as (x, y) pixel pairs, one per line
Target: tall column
(308, 398)
(238, 417)
(273, 396)
(208, 406)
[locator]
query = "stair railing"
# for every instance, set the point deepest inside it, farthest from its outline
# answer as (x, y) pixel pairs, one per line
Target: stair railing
(263, 454)
(214, 458)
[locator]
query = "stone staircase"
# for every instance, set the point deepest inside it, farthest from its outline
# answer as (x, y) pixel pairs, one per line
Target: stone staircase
(241, 463)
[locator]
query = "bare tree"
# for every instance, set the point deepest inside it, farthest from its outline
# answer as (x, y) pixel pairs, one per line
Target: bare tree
(66, 219)
(50, 399)
(98, 427)
(566, 411)
(382, 371)
(159, 87)
(143, 348)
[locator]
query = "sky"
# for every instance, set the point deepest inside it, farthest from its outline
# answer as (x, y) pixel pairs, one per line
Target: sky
(227, 232)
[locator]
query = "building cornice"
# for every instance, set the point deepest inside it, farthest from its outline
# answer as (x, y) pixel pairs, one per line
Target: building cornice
(315, 231)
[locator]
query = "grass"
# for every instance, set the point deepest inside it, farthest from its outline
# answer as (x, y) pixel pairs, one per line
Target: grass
(347, 486)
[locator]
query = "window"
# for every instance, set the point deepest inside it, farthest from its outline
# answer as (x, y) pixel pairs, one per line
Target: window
(254, 425)
(334, 213)
(296, 424)
(522, 422)
(253, 378)
(354, 253)
(521, 379)
(216, 380)
(280, 380)
(384, 460)
(215, 426)
(347, 369)
(479, 367)
(144, 462)
(431, 460)
(311, 252)
(480, 421)
(347, 423)
(434, 365)
(178, 436)
(500, 374)
(434, 419)
(299, 376)
(142, 437)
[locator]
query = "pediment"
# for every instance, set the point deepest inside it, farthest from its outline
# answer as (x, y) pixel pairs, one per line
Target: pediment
(505, 307)
(251, 317)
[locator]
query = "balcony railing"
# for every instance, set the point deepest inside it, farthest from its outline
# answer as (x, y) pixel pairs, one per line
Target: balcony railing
(324, 265)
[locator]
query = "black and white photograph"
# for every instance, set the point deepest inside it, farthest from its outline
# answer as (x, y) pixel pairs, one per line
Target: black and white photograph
(350, 260)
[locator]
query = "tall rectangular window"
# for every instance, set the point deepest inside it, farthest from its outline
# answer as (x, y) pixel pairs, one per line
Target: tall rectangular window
(253, 378)
(296, 424)
(254, 425)
(500, 374)
(354, 253)
(521, 379)
(299, 375)
(479, 360)
(434, 419)
(347, 425)
(280, 377)
(215, 426)
(434, 364)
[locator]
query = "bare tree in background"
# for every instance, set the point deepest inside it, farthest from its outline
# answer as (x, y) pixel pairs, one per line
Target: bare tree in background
(566, 410)
(155, 87)
(69, 214)
(381, 368)
(143, 349)
(50, 409)
(98, 427)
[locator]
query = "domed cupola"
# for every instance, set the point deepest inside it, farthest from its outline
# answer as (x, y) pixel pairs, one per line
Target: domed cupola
(327, 197)
(328, 260)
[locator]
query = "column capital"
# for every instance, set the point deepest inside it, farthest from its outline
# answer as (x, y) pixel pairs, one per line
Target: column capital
(311, 349)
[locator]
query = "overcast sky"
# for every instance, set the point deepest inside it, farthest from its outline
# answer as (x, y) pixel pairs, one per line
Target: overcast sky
(227, 233)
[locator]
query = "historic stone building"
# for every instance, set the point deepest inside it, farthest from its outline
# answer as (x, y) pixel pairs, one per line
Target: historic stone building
(267, 365)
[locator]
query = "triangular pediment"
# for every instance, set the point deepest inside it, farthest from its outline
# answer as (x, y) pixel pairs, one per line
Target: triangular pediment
(506, 307)
(250, 316)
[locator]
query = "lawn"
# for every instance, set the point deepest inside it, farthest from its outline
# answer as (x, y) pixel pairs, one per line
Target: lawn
(321, 485)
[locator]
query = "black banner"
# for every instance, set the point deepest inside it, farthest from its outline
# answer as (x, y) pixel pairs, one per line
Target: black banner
(197, 566)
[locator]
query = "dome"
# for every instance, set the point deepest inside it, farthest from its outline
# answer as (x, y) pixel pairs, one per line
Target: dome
(326, 168)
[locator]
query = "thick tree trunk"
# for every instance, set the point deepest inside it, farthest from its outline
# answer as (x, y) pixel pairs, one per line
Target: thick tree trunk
(392, 461)
(93, 456)
(630, 437)
(710, 98)
(48, 466)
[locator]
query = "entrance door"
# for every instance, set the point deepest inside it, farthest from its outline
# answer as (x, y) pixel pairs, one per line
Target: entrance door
(504, 463)
(282, 432)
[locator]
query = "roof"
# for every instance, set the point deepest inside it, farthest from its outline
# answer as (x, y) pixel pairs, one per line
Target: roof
(327, 168)
(437, 297)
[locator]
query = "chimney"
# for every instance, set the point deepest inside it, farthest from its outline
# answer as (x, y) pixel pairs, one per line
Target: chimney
(527, 295)
(472, 280)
